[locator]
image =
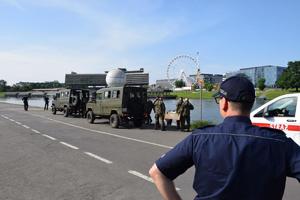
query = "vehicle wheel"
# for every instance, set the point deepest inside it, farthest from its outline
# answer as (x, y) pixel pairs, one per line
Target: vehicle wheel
(53, 110)
(90, 117)
(66, 112)
(114, 121)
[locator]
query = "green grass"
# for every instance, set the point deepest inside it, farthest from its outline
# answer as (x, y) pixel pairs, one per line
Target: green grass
(199, 124)
(273, 93)
(2, 94)
(268, 93)
(193, 94)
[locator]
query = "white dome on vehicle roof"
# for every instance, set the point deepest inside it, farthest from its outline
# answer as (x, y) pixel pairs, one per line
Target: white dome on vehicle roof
(115, 78)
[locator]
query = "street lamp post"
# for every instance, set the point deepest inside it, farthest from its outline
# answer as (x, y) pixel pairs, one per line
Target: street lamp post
(200, 84)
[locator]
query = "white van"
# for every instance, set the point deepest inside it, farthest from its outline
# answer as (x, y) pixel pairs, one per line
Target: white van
(281, 113)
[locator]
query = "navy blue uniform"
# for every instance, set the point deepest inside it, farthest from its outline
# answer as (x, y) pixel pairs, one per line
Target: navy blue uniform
(235, 160)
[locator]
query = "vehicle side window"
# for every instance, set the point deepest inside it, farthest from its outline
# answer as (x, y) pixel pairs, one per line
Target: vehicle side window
(107, 94)
(138, 95)
(282, 108)
(115, 94)
(99, 96)
(260, 113)
(131, 95)
(64, 94)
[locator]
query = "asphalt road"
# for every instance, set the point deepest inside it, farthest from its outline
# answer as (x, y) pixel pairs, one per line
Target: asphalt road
(45, 156)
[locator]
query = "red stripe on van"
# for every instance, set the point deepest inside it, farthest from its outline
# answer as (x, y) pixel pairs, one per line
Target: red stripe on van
(290, 127)
(262, 124)
(294, 128)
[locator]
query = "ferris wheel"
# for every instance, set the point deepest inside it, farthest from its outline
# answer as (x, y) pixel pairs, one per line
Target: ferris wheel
(180, 67)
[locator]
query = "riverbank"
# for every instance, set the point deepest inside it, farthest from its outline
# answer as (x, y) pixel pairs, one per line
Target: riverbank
(193, 94)
(2, 94)
(268, 94)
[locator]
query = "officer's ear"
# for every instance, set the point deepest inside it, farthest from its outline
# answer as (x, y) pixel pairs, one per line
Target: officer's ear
(224, 104)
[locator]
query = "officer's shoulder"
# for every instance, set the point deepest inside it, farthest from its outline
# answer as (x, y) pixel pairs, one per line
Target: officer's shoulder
(273, 130)
(202, 128)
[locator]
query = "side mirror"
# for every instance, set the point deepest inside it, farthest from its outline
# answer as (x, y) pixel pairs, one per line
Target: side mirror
(266, 114)
(271, 113)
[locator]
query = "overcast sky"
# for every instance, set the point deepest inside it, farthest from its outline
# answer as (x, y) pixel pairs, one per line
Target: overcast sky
(42, 40)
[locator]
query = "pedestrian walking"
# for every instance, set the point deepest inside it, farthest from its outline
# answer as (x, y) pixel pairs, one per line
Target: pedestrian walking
(235, 159)
(46, 99)
(160, 110)
(25, 103)
(179, 111)
(186, 115)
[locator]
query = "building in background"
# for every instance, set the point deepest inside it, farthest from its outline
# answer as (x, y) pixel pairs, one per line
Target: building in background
(164, 84)
(210, 78)
(270, 73)
(74, 80)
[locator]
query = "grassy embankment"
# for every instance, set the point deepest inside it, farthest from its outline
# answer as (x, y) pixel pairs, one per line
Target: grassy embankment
(2, 94)
(193, 94)
(273, 93)
(268, 93)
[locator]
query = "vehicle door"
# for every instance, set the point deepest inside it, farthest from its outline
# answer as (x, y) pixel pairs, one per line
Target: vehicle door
(64, 98)
(116, 100)
(107, 104)
(281, 114)
(135, 102)
(98, 103)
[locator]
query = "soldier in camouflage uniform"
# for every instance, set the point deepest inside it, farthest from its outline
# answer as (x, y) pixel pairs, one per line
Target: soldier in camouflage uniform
(179, 111)
(160, 109)
(186, 114)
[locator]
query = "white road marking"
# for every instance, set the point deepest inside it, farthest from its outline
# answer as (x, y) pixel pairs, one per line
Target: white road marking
(19, 123)
(5, 117)
(147, 178)
(12, 120)
(25, 126)
(69, 145)
(98, 158)
(47, 136)
(106, 133)
(35, 131)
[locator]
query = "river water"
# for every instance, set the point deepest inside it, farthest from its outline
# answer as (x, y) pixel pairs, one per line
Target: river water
(210, 110)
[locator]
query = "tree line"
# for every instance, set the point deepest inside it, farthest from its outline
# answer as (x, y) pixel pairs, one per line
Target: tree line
(27, 86)
(290, 78)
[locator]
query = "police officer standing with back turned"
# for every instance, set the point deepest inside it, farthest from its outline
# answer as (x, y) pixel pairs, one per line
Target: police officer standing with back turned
(234, 160)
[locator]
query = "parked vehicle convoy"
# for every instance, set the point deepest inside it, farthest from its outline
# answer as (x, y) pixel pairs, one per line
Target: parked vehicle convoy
(281, 113)
(70, 101)
(121, 105)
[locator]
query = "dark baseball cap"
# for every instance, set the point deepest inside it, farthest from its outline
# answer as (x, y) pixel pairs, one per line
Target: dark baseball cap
(237, 89)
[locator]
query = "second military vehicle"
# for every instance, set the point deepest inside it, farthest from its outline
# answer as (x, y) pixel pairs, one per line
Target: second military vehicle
(70, 101)
(121, 105)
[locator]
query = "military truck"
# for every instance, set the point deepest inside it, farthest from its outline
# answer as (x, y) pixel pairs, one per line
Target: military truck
(70, 102)
(121, 105)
